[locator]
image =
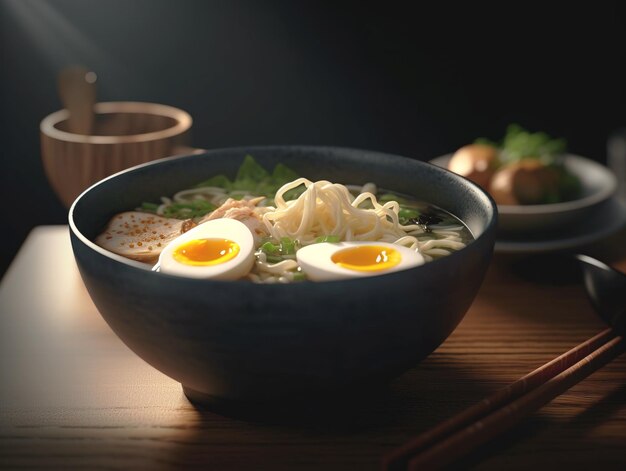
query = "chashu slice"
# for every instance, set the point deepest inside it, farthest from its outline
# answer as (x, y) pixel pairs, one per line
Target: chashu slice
(243, 211)
(141, 236)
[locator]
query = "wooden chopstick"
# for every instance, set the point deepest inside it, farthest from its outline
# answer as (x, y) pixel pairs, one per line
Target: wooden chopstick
(457, 436)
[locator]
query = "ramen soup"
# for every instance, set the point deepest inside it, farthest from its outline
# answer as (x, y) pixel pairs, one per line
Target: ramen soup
(279, 228)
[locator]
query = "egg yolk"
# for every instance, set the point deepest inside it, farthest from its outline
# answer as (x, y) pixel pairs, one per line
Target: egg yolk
(205, 252)
(367, 258)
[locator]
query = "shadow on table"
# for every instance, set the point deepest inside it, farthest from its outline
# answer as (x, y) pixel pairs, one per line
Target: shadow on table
(526, 436)
(559, 267)
(354, 432)
(347, 432)
(537, 292)
(425, 393)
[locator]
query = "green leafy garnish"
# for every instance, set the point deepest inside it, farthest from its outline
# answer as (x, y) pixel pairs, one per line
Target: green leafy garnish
(251, 170)
(570, 186)
(219, 181)
(275, 253)
(191, 209)
(299, 276)
(406, 214)
(149, 207)
(294, 193)
(386, 197)
(328, 238)
(287, 246)
(283, 174)
(187, 210)
(274, 259)
(270, 249)
(519, 143)
(256, 180)
(486, 142)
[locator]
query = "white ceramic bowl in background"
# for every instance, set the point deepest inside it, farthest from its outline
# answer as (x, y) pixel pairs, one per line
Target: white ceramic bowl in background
(598, 185)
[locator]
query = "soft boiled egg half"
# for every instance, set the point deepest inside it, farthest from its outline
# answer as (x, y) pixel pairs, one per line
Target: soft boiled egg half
(222, 249)
(338, 261)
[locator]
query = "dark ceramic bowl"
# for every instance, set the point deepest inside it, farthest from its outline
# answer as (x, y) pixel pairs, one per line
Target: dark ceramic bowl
(249, 342)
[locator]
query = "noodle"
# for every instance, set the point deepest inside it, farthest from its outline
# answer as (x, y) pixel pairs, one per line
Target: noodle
(326, 209)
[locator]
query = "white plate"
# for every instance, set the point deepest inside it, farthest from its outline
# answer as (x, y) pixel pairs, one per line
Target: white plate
(608, 218)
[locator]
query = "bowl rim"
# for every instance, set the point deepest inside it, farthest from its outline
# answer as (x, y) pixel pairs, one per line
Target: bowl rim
(489, 228)
(607, 190)
(182, 118)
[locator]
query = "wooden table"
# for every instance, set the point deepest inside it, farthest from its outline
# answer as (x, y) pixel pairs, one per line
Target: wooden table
(73, 396)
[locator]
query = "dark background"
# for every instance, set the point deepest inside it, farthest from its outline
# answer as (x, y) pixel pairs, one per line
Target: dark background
(396, 77)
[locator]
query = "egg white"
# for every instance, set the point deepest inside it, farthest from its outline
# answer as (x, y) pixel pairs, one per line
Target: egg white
(316, 262)
(225, 228)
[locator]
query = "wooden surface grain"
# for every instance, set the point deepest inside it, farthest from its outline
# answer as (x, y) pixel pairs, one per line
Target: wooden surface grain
(73, 396)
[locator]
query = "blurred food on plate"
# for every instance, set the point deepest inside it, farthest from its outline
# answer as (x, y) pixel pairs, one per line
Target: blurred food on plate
(525, 168)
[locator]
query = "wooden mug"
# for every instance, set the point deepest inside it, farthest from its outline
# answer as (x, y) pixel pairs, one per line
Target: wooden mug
(125, 134)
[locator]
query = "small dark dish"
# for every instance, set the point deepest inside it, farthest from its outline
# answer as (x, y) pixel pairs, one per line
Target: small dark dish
(249, 342)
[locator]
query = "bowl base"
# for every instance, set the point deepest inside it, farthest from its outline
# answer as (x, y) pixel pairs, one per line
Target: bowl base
(341, 408)
(236, 406)
(200, 398)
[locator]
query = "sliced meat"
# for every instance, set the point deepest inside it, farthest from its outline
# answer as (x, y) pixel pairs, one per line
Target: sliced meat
(141, 236)
(241, 210)
(233, 209)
